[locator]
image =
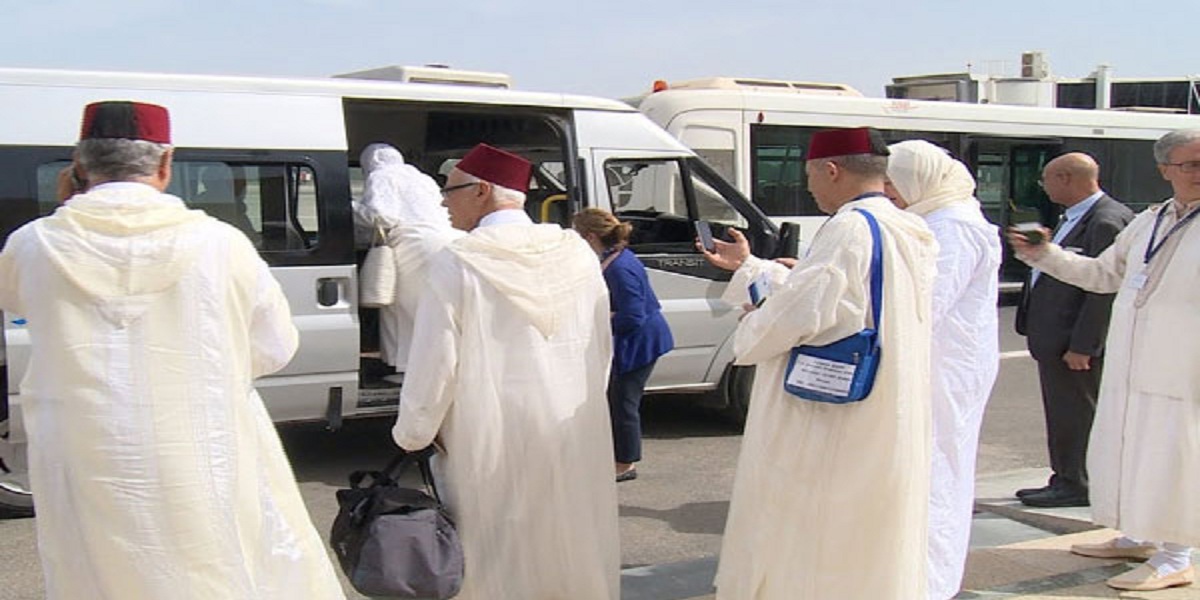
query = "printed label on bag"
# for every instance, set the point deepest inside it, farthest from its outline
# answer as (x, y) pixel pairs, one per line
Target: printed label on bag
(821, 375)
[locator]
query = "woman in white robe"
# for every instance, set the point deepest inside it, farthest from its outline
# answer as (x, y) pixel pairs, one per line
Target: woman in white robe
(156, 470)
(830, 501)
(406, 205)
(926, 181)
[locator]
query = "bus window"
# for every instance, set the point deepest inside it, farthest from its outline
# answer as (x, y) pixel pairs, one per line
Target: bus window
(779, 186)
(991, 169)
(1029, 201)
(714, 145)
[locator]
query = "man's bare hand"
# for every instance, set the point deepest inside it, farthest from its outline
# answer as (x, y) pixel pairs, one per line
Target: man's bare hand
(728, 255)
(787, 262)
(1077, 362)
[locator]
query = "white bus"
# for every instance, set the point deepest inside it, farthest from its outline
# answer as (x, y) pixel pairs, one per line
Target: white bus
(278, 159)
(756, 136)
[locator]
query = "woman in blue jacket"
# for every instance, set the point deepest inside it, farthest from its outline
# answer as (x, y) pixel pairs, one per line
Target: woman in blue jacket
(640, 333)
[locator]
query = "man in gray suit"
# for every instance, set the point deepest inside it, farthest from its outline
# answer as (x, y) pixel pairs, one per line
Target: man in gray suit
(1066, 327)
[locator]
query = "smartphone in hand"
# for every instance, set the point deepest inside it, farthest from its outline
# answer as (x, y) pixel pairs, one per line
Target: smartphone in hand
(757, 296)
(1032, 232)
(704, 232)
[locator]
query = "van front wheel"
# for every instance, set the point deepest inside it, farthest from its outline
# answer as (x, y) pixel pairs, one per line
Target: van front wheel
(735, 388)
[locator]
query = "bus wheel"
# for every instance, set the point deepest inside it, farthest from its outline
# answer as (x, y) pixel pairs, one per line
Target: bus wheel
(16, 501)
(735, 388)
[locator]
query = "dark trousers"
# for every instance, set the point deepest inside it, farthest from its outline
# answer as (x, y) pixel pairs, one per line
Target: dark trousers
(624, 410)
(1069, 398)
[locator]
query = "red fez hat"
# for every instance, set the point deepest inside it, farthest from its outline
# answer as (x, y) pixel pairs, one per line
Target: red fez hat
(126, 120)
(843, 142)
(497, 166)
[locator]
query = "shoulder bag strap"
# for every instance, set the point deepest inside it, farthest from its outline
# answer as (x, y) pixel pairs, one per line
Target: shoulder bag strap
(876, 270)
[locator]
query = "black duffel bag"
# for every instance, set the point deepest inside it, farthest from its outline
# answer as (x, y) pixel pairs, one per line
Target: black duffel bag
(397, 542)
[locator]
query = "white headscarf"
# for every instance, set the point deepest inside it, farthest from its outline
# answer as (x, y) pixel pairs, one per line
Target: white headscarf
(396, 193)
(927, 177)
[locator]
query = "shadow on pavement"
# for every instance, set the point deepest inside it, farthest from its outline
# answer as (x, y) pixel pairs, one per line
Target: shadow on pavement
(693, 517)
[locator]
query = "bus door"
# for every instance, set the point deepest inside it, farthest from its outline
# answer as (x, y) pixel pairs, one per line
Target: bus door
(1008, 174)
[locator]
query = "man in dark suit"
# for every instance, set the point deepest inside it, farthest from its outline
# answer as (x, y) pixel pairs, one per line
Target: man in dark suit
(1066, 327)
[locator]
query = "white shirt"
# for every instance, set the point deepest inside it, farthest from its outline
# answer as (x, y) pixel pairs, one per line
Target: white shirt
(1071, 217)
(505, 216)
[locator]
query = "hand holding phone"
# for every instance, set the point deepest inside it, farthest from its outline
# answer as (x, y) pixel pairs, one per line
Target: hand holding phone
(704, 232)
(757, 297)
(1032, 231)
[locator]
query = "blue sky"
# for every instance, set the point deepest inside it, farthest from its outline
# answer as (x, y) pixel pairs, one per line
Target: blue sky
(612, 49)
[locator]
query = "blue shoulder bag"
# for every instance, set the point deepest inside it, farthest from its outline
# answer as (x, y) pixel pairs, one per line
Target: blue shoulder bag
(844, 371)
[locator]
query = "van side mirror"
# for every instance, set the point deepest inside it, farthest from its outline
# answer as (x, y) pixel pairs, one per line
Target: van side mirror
(789, 240)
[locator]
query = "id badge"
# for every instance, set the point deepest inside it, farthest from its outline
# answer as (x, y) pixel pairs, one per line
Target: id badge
(1139, 280)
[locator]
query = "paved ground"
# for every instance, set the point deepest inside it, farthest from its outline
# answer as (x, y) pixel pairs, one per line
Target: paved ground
(1016, 554)
(673, 515)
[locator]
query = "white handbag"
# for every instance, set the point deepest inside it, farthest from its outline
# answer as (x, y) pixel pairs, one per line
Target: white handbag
(377, 278)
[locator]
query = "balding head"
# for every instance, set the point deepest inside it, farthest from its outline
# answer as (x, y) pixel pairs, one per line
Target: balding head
(1069, 179)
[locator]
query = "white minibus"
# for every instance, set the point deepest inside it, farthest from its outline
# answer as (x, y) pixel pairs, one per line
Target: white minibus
(278, 159)
(755, 134)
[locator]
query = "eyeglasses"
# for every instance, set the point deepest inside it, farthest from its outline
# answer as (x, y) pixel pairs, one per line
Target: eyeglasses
(1187, 166)
(446, 190)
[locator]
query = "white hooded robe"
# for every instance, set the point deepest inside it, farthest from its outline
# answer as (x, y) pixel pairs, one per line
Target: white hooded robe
(830, 501)
(510, 365)
(1144, 451)
(156, 469)
(966, 348)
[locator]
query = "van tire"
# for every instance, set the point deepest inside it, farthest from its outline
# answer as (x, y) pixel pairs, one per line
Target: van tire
(16, 502)
(735, 388)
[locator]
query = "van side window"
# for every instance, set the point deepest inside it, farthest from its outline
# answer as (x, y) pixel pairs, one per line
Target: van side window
(275, 205)
(649, 195)
(654, 196)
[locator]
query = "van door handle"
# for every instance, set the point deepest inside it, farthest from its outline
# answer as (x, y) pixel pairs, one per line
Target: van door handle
(329, 291)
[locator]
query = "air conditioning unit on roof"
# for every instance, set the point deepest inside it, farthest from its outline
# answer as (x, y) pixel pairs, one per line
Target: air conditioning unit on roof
(439, 74)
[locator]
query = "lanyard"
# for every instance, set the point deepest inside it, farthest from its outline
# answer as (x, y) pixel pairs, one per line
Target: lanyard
(1152, 248)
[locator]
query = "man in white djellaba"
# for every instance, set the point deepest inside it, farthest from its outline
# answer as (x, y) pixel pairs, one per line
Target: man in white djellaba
(926, 181)
(404, 204)
(157, 471)
(830, 500)
(1143, 458)
(514, 348)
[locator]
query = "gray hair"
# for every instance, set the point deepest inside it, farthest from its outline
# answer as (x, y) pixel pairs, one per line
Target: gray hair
(1171, 141)
(117, 159)
(864, 165)
(499, 192)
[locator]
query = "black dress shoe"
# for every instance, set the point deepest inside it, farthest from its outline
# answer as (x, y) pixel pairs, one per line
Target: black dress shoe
(1056, 497)
(629, 475)
(1021, 493)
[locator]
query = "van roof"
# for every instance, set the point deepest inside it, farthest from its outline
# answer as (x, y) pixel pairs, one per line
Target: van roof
(299, 86)
(764, 85)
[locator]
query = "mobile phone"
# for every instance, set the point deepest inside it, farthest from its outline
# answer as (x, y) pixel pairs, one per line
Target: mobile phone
(704, 232)
(1032, 232)
(757, 297)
